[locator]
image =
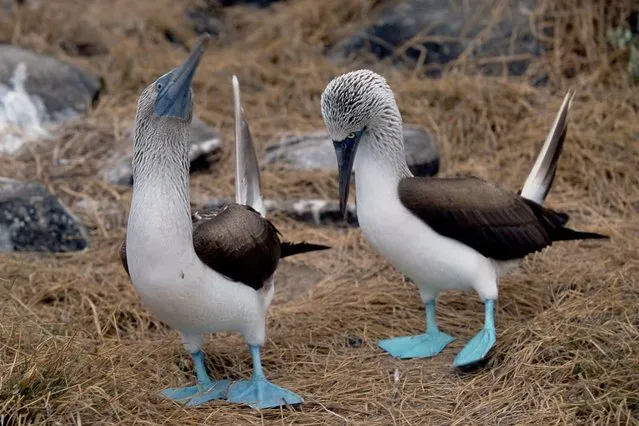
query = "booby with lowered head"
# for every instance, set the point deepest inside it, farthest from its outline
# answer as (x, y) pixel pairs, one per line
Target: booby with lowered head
(203, 271)
(443, 233)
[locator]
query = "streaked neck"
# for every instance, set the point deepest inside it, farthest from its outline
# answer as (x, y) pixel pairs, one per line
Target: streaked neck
(161, 182)
(381, 150)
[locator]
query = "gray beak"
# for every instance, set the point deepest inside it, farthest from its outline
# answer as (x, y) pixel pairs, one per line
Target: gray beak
(174, 98)
(345, 151)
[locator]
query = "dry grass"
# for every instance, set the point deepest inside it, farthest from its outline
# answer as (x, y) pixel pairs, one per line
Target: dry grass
(76, 345)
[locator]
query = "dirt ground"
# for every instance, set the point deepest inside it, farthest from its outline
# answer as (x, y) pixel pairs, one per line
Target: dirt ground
(78, 347)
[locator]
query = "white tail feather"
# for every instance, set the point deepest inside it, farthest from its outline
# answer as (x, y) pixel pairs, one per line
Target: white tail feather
(247, 173)
(541, 175)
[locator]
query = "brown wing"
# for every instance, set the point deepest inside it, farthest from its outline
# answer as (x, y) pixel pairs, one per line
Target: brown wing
(237, 242)
(497, 223)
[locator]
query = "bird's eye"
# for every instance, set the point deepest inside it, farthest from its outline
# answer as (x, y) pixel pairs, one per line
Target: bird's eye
(351, 135)
(159, 86)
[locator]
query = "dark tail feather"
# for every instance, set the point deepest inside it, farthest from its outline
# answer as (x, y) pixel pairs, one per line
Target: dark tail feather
(554, 222)
(565, 234)
(291, 249)
(562, 218)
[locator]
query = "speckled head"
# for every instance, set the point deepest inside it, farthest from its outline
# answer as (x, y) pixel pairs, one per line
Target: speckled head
(353, 104)
(354, 101)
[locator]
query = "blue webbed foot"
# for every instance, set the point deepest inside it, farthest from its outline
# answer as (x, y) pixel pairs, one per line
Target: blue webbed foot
(199, 394)
(206, 389)
(179, 394)
(478, 347)
(421, 346)
(260, 393)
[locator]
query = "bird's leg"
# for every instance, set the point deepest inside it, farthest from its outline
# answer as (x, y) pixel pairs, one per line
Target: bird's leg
(205, 389)
(259, 392)
(478, 347)
(424, 345)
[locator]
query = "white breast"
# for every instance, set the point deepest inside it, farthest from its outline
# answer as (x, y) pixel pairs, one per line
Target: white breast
(183, 292)
(432, 261)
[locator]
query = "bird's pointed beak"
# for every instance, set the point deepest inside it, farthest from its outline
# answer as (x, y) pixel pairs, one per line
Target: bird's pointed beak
(174, 99)
(345, 151)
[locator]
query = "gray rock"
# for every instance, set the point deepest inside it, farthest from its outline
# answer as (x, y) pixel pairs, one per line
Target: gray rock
(203, 140)
(315, 212)
(32, 219)
(37, 91)
(315, 151)
(444, 29)
(208, 15)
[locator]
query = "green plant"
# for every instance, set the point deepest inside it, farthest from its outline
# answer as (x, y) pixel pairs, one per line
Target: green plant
(626, 40)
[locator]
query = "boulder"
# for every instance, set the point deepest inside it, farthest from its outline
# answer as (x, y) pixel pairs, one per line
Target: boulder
(37, 91)
(315, 151)
(33, 219)
(499, 39)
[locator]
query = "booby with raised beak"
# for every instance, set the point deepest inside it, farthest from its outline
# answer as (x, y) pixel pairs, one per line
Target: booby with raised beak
(443, 233)
(204, 271)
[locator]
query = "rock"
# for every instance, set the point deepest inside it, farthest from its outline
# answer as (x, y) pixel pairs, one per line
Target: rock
(315, 151)
(207, 15)
(32, 219)
(316, 212)
(422, 152)
(37, 91)
(449, 28)
(203, 140)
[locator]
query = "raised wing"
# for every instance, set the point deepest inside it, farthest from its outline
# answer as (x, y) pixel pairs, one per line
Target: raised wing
(247, 173)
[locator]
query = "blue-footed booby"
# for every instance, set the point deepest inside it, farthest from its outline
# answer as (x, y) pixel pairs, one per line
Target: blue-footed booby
(202, 271)
(443, 233)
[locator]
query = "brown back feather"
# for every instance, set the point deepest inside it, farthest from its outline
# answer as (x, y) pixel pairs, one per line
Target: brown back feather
(497, 223)
(237, 242)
